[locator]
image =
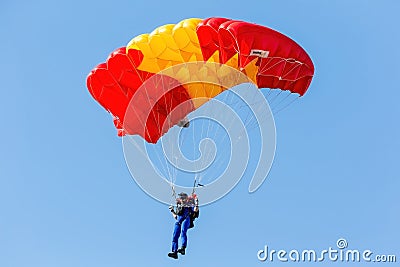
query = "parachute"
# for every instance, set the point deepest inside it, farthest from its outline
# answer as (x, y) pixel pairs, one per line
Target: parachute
(268, 58)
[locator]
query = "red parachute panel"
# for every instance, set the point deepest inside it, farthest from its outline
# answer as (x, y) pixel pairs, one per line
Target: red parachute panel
(153, 110)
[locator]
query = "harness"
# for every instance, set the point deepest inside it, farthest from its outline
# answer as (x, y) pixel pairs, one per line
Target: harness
(192, 214)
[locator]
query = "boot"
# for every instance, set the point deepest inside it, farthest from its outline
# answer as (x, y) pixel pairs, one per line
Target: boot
(173, 255)
(181, 250)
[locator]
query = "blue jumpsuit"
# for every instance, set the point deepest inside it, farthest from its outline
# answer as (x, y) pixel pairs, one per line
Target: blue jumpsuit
(181, 226)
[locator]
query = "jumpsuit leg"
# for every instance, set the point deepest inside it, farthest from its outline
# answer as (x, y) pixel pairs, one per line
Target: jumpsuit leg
(185, 227)
(176, 233)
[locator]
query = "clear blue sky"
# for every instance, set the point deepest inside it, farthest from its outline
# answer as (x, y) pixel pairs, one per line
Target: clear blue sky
(66, 195)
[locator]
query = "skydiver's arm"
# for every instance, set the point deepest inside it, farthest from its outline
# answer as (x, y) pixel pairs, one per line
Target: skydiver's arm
(171, 208)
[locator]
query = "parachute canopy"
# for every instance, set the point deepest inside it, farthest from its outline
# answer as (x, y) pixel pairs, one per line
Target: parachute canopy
(268, 58)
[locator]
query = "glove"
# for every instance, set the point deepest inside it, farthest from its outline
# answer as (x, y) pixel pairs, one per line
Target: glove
(171, 208)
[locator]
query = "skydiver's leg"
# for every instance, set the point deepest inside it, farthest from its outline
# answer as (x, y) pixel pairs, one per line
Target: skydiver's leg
(175, 236)
(185, 227)
(177, 232)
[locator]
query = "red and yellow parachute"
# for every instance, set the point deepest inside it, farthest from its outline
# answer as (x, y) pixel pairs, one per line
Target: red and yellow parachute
(268, 58)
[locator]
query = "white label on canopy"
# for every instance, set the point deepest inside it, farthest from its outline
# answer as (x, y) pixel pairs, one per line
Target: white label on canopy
(259, 53)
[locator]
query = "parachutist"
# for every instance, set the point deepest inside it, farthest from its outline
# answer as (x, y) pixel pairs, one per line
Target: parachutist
(186, 211)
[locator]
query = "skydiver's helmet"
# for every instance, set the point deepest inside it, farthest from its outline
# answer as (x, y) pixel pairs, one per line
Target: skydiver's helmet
(182, 197)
